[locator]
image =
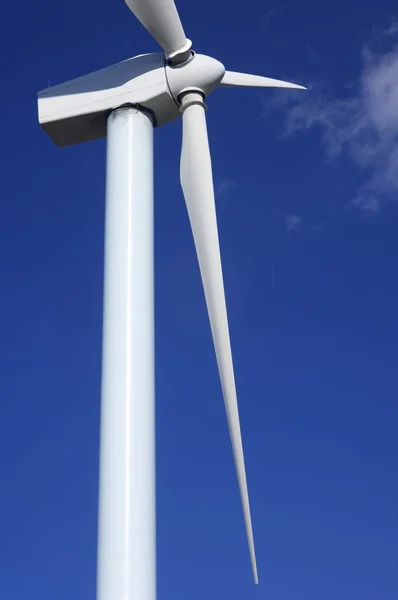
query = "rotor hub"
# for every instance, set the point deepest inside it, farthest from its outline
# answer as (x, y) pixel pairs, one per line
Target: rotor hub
(200, 73)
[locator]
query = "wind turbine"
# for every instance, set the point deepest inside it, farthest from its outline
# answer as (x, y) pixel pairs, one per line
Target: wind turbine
(125, 102)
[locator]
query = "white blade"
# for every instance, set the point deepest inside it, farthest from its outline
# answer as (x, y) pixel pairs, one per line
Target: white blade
(160, 18)
(197, 185)
(232, 79)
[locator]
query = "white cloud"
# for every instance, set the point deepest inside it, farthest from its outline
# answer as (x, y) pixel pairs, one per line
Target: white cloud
(294, 222)
(362, 127)
(223, 190)
(277, 10)
(291, 221)
(225, 185)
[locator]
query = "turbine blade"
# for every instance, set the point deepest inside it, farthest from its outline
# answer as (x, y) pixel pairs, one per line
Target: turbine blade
(232, 79)
(197, 185)
(161, 19)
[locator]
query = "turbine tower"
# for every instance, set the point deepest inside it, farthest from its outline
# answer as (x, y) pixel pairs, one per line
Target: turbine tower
(124, 103)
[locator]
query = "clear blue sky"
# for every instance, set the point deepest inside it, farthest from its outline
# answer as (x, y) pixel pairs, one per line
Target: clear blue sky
(308, 227)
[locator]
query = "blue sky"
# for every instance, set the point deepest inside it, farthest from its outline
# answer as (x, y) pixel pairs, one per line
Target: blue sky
(306, 193)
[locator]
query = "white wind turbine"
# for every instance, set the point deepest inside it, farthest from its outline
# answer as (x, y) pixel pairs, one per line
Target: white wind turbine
(125, 102)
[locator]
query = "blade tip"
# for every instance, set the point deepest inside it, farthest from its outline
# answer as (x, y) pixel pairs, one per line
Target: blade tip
(295, 86)
(255, 574)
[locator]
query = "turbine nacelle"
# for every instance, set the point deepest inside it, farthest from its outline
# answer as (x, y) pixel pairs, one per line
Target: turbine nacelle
(77, 111)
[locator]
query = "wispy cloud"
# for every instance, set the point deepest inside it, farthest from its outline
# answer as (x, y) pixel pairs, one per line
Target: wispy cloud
(271, 13)
(223, 189)
(311, 52)
(225, 185)
(277, 10)
(294, 222)
(363, 126)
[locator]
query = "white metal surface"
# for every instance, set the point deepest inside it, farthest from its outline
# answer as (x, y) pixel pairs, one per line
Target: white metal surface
(161, 19)
(126, 536)
(197, 185)
(77, 111)
(234, 79)
(201, 72)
